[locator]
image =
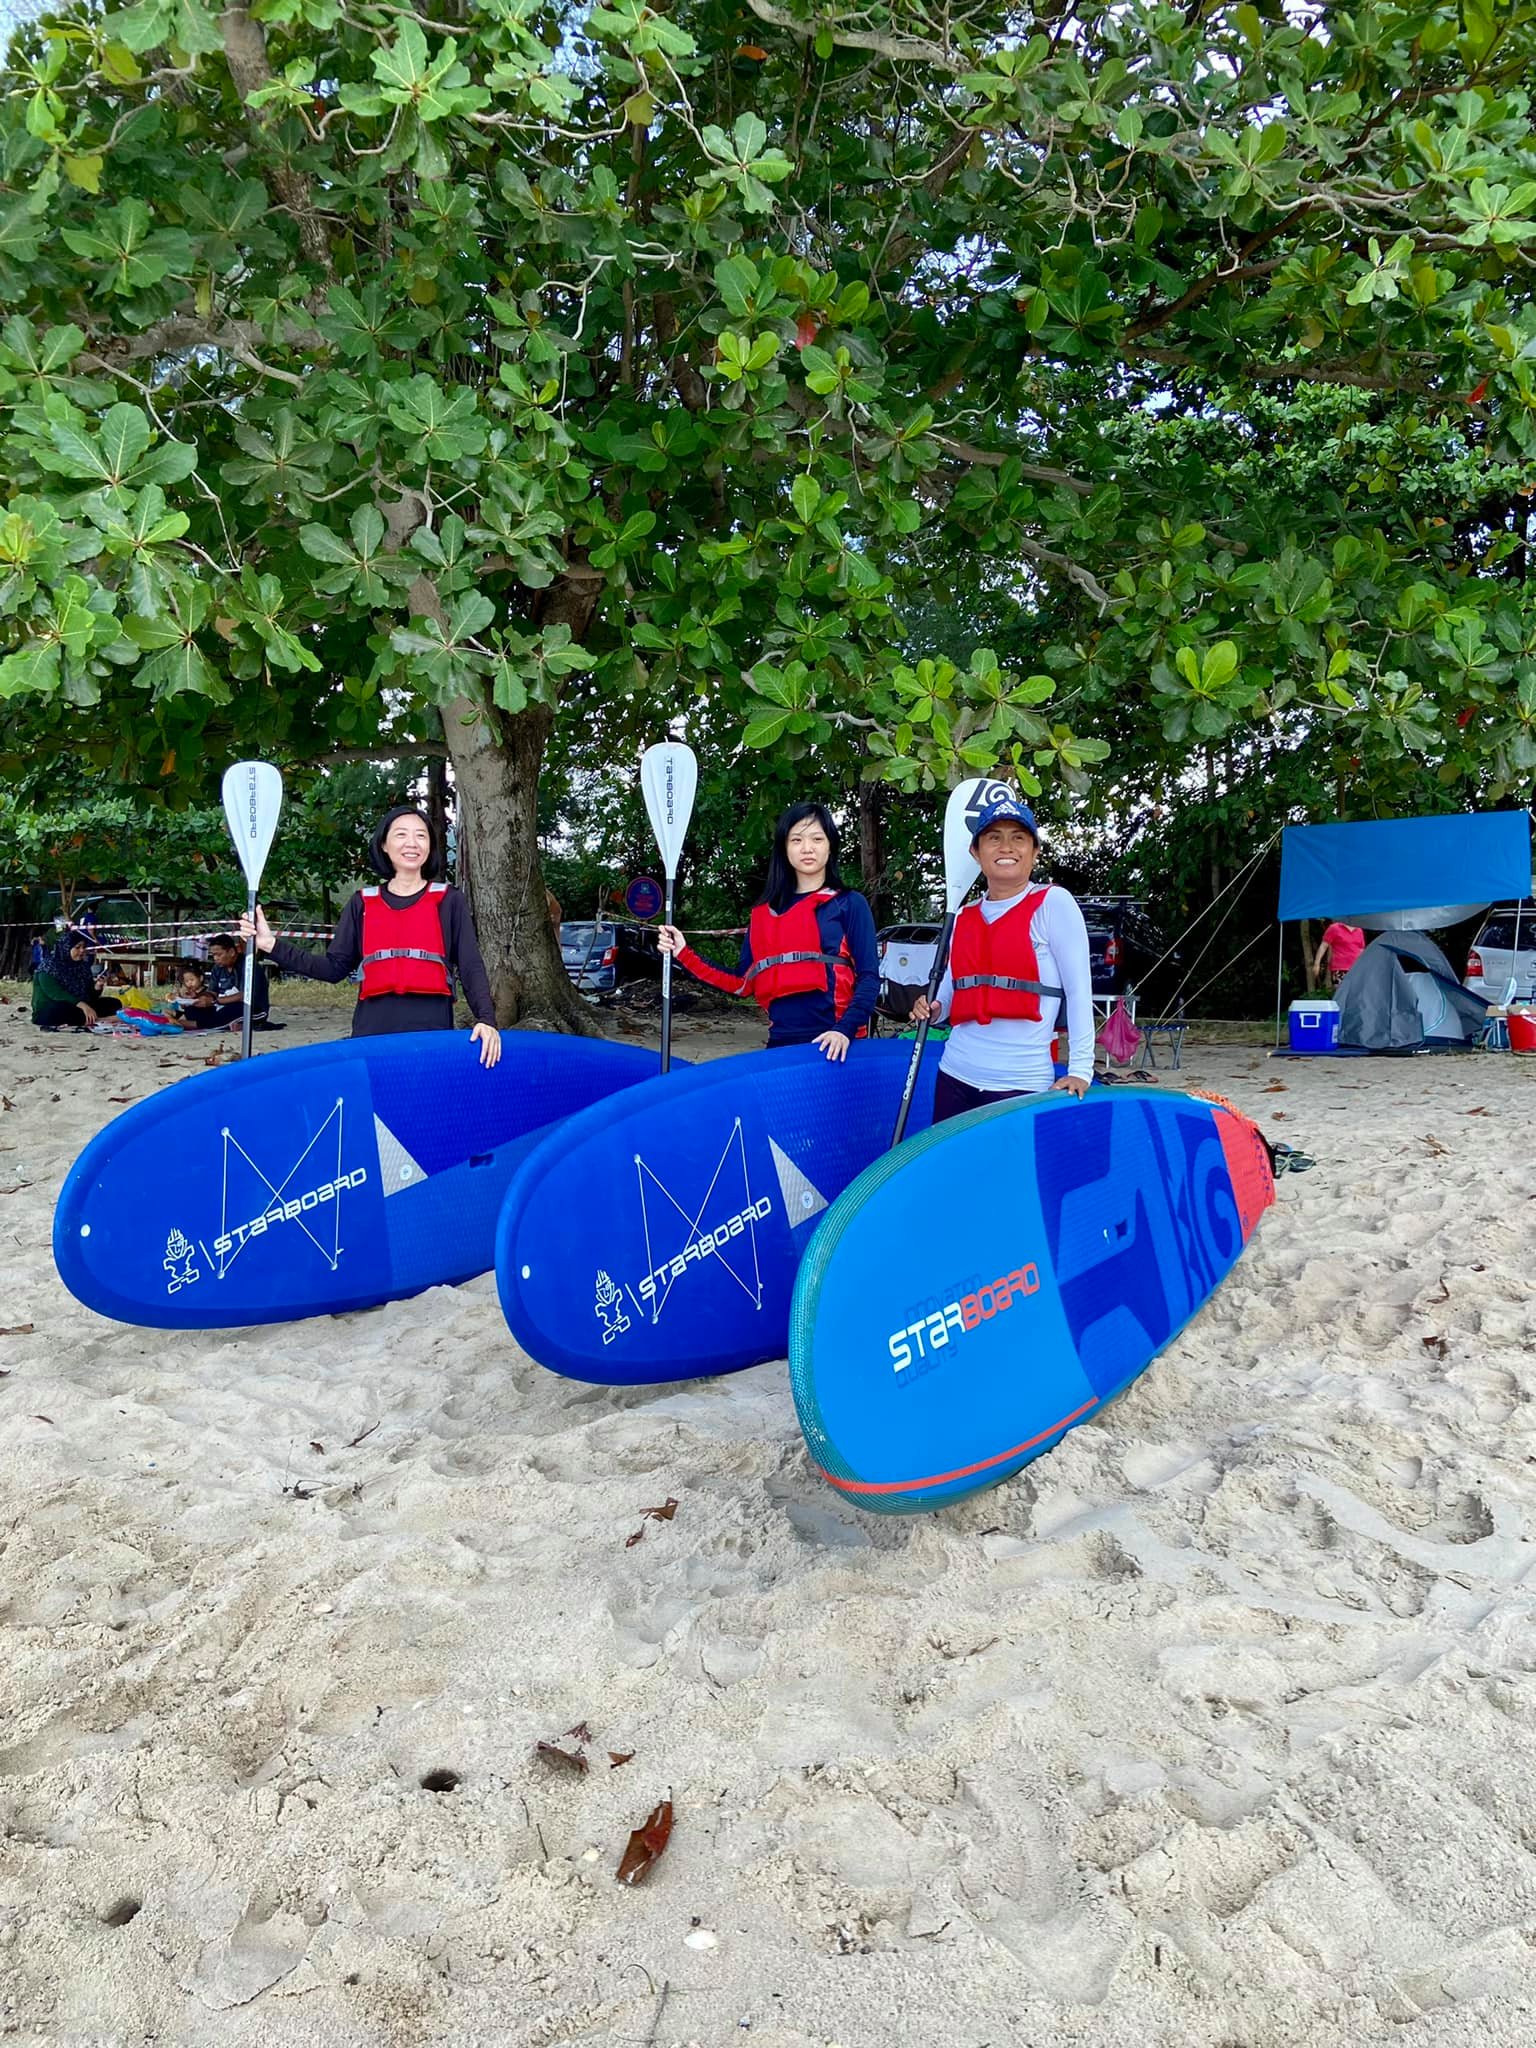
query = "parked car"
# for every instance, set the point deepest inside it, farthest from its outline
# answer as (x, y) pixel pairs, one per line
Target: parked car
(1504, 951)
(1123, 945)
(906, 961)
(591, 955)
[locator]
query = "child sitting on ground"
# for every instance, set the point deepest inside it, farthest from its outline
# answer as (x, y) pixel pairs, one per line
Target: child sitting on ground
(191, 1004)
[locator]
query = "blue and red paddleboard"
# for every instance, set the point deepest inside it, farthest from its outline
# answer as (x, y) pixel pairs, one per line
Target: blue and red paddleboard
(656, 1237)
(316, 1180)
(988, 1285)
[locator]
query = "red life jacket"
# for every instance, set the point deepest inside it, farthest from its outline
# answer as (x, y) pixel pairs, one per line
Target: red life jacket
(404, 951)
(994, 967)
(787, 956)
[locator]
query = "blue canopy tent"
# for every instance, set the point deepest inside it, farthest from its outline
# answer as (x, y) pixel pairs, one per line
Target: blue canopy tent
(1403, 874)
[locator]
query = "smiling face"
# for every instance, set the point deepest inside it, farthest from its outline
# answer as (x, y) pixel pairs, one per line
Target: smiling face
(809, 850)
(1006, 854)
(408, 847)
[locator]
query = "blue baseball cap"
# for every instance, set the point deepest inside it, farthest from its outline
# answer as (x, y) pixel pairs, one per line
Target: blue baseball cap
(1007, 808)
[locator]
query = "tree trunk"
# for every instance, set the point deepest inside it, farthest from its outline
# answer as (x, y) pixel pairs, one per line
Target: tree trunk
(437, 800)
(872, 851)
(1308, 955)
(496, 768)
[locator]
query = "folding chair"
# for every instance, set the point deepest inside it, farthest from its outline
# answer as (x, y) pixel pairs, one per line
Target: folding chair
(1170, 1029)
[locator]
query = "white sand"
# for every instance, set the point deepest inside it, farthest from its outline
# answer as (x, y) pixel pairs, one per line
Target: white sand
(1216, 1729)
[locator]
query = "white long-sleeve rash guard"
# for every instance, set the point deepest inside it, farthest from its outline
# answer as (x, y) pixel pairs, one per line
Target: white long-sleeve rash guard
(1015, 1052)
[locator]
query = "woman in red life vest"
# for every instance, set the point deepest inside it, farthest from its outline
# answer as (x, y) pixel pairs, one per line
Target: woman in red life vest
(407, 933)
(1018, 961)
(809, 957)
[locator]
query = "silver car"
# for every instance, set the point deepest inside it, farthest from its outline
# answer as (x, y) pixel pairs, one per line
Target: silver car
(591, 956)
(1502, 962)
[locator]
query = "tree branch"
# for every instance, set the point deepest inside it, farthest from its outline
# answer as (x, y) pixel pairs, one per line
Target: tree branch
(1242, 270)
(900, 49)
(1033, 551)
(995, 458)
(1280, 373)
(245, 50)
(406, 750)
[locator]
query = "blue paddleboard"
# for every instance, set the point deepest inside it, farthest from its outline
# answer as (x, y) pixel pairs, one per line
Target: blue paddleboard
(656, 1236)
(315, 1180)
(976, 1293)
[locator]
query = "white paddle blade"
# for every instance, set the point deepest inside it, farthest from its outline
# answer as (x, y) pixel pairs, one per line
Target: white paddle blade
(253, 796)
(669, 778)
(965, 806)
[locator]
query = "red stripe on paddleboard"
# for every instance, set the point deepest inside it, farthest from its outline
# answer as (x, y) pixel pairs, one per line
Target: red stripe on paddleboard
(963, 1472)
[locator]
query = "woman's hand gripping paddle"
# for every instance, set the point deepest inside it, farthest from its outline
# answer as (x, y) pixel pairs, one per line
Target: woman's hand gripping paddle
(965, 806)
(669, 777)
(253, 796)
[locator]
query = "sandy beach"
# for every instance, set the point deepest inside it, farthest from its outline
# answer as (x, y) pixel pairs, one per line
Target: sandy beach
(1214, 1729)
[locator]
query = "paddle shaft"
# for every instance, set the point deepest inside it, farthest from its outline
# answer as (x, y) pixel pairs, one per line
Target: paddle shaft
(250, 977)
(666, 990)
(940, 961)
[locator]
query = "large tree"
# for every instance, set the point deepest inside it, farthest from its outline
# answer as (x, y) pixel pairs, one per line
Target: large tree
(519, 366)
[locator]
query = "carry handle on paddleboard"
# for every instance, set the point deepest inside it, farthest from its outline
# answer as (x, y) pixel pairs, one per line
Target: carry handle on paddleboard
(253, 796)
(669, 778)
(965, 806)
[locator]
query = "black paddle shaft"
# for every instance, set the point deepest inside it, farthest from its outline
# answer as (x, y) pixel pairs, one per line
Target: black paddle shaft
(250, 978)
(666, 992)
(940, 962)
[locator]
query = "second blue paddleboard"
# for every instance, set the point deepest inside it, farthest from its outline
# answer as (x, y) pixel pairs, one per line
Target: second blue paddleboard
(656, 1236)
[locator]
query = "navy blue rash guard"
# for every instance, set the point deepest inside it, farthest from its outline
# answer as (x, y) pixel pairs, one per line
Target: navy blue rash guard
(796, 1020)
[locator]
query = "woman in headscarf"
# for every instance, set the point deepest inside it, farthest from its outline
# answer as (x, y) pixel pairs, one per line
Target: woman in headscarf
(408, 933)
(809, 959)
(64, 992)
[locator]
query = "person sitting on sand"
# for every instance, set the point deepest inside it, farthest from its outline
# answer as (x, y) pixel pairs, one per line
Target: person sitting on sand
(64, 992)
(224, 981)
(1017, 958)
(191, 994)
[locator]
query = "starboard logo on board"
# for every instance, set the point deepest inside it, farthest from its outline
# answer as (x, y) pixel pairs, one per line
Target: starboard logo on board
(682, 1238)
(919, 1346)
(249, 1213)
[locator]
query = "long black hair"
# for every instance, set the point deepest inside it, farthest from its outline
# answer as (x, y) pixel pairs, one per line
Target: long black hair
(380, 861)
(783, 884)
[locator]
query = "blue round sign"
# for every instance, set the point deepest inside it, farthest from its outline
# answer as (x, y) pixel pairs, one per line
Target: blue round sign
(643, 898)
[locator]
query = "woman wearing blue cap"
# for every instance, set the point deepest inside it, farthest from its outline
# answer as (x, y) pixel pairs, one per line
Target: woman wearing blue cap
(1018, 961)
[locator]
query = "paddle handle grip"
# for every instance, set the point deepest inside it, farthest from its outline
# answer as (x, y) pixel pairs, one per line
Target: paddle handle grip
(250, 977)
(940, 962)
(666, 990)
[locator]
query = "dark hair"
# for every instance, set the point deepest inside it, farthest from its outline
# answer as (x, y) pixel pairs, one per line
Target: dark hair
(783, 884)
(225, 941)
(189, 967)
(380, 861)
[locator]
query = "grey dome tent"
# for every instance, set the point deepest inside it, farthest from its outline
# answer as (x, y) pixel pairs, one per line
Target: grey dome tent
(1378, 1010)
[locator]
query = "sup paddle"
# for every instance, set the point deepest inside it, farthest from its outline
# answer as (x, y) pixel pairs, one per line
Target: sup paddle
(253, 796)
(669, 778)
(965, 806)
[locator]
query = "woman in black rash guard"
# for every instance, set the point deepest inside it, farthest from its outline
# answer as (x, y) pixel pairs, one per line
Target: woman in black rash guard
(809, 958)
(407, 933)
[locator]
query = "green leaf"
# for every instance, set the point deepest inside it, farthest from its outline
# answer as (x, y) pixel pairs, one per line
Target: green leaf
(766, 728)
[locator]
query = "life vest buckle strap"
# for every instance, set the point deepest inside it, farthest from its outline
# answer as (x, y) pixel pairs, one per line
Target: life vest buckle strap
(405, 953)
(1010, 982)
(789, 960)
